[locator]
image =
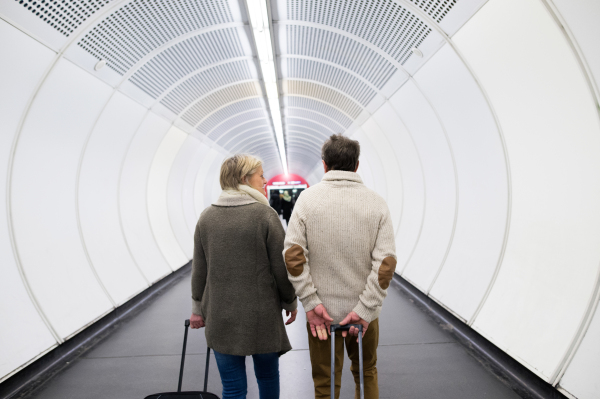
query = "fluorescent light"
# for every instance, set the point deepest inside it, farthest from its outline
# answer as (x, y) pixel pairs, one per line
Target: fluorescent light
(259, 18)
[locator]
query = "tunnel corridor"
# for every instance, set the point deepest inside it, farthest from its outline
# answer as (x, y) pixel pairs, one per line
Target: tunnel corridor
(479, 123)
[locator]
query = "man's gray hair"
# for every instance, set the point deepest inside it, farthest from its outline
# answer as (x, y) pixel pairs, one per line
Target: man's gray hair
(340, 153)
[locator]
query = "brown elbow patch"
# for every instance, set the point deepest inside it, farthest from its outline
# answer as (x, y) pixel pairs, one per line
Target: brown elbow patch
(295, 260)
(386, 272)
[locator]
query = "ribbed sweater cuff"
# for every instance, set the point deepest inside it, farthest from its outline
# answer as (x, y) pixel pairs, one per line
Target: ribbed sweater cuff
(310, 302)
(290, 307)
(196, 308)
(365, 313)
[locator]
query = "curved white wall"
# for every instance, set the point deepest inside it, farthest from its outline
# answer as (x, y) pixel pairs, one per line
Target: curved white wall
(158, 211)
(487, 151)
(44, 195)
(133, 197)
(98, 198)
(500, 224)
(18, 80)
(100, 194)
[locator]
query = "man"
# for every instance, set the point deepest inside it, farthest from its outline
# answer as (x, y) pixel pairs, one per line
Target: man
(340, 256)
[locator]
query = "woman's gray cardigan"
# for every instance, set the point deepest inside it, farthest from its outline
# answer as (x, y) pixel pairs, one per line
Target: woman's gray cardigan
(239, 279)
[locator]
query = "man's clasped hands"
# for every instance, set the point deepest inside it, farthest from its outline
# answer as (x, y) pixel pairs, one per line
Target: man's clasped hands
(320, 323)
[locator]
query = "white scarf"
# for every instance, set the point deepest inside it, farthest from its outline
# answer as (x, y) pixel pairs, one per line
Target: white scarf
(242, 196)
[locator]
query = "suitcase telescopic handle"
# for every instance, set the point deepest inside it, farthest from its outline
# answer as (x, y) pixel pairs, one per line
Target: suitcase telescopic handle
(185, 335)
(187, 326)
(338, 327)
(345, 327)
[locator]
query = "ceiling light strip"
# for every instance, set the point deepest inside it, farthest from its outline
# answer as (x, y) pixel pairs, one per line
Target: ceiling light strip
(261, 27)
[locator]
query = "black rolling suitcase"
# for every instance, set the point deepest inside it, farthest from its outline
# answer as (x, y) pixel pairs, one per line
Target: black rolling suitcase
(188, 394)
(334, 328)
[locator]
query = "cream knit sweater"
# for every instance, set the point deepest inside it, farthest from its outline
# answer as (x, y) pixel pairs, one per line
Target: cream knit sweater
(339, 247)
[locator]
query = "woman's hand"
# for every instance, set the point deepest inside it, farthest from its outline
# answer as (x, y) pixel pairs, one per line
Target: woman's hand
(196, 321)
(292, 318)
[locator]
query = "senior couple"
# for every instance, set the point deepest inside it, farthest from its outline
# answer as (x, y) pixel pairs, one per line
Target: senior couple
(338, 257)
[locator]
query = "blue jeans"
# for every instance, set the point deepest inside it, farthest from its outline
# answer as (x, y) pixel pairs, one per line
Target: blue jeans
(233, 375)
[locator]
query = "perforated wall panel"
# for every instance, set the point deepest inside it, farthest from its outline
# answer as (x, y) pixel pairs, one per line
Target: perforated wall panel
(436, 9)
(206, 105)
(383, 23)
(310, 133)
(185, 57)
(249, 128)
(319, 118)
(320, 107)
(64, 15)
(141, 26)
(315, 127)
(341, 50)
(236, 119)
(332, 76)
(222, 115)
(202, 83)
(314, 90)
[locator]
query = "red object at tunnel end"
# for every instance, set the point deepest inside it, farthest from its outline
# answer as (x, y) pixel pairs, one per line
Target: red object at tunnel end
(287, 180)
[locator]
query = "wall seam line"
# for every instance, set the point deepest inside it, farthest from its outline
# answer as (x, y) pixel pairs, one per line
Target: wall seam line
(189, 165)
(77, 213)
(147, 205)
(11, 227)
(410, 135)
(400, 171)
(167, 196)
(449, 41)
(456, 185)
(195, 183)
(119, 213)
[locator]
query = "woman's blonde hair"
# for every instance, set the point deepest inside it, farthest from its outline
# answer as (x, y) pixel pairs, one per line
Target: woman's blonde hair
(236, 169)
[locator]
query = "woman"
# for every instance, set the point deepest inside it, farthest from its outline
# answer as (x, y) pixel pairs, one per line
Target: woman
(239, 280)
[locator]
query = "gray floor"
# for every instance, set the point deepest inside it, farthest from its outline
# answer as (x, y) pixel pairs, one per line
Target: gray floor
(416, 359)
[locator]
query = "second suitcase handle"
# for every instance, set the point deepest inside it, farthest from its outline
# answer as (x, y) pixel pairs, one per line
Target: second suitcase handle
(334, 328)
